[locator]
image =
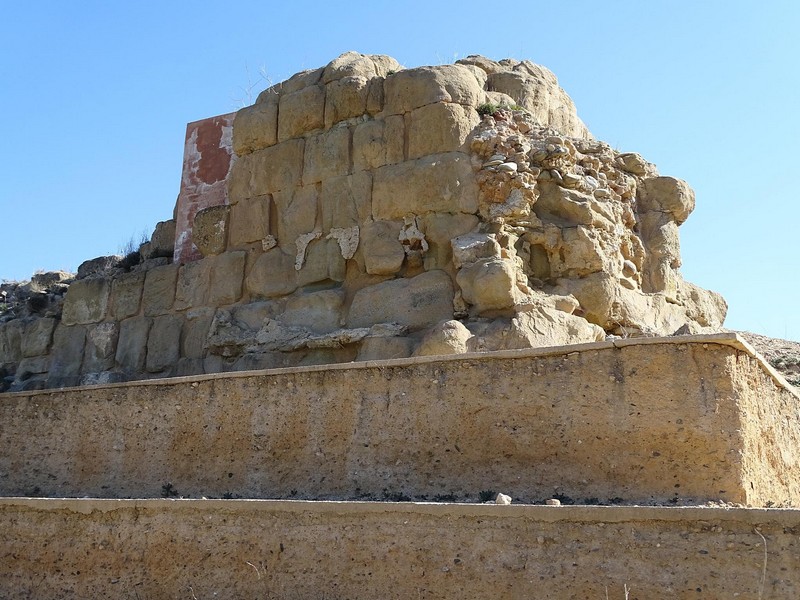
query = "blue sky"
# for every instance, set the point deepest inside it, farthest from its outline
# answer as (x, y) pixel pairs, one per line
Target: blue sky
(96, 96)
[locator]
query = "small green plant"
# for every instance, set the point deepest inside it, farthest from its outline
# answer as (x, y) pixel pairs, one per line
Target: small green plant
(487, 495)
(168, 491)
(487, 108)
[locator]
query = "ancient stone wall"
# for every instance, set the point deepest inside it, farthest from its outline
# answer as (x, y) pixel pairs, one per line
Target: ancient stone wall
(361, 211)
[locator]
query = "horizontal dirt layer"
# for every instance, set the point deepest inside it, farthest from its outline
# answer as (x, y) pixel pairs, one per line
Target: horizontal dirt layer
(280, 549)
(667, 420)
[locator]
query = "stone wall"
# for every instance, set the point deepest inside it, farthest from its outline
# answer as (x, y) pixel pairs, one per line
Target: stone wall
(370, 211)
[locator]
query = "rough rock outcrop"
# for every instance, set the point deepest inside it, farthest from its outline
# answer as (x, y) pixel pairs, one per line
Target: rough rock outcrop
(372, 211)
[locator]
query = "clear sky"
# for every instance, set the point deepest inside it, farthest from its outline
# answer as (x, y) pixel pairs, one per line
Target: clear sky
(95, 97)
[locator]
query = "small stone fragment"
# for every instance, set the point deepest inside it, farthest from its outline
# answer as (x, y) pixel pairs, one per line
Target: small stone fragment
(553, 502)
(502, 499)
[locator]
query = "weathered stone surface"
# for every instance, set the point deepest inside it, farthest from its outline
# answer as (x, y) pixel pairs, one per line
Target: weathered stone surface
(97, 266)
(383, 252)
(666, 194)
(101, 347)
(383, 348)
(449, 337)
(300, 112)
(162, 242)
(273, 274)
(345, 98)
(193, 283)
(439, 127)
(319, 312)
(126, 295)
(86, 302)
(412, 88)
(323, 261)
(132, 344)
(354, 64)
(210, 230)
(326, 155)
(194, 332)
(295, 83)
(227, 273)
(416, 303)
(36, 337)
(163, 343)
(249, 221)
(256, 127)
(276, 168)
(378, 142)
(297, 215)
(439, 229)
(489, 284)
(67, 354)
(436, 183)
(11, 341)
(159, 290)
(346, 201)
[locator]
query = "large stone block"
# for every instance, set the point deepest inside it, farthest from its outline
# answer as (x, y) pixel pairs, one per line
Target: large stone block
(383, 252)
(162, 242)
(666, 194)
(126, 295)
(440, 127)
(489, 284)
(11, 341)
(194, 280)
(159, 290)
(345, 98)
(297, 215)
(86, 301)
(273, 274)
(378, 142)
(323, 261)
(132, 343)
(195, 331)
(327, 155)
(417, 302)
(352, 64)
(295, 83)
(346, 201)
(249, 221)
(37, 336)
(101, 347)
(319, 312)
(436, 183)
(164, 343)
(66, 355)
(412, 88)
(301, 112)
(210, 230)
(227, 272)
(276, 168)
(256, 127)
(439, 230)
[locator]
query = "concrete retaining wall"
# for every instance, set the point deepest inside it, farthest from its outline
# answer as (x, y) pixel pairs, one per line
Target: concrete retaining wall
(669, 420)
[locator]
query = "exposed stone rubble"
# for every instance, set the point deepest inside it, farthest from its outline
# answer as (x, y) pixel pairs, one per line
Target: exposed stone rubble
(372, 211)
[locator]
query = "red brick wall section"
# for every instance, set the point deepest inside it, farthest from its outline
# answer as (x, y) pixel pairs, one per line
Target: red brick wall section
(207, 160)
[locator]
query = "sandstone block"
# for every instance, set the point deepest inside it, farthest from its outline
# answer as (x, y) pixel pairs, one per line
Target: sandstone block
(132, 343)
(345, 98)
(350, 64)
(193, 283)
(272, 275)
(666, 194)
(375, 96)
(319, 312)
(412, 88)
(417, 302)
(67, 354)
(186, 367)
(253, 315)
(297, 215)
(383, 252)
(439, 127)
(300, 112)
(86, 302)
(323, 261)
(101, 347)
(705, 307)
(162, 242)
(34, 365)
(327, 155)
(158, 294)
(296, 82)
(489, 284)
(346, 201)
(11, 341)
(449, 337)
(276, 168)
(436, 183)
(385, 348)
(240, 181)
(164, 342)
(37, 336)
(210, 230)
(249, 221)
(227, 273)
(256, 127)
(439, 230)
(374, 143)
(195, 331)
